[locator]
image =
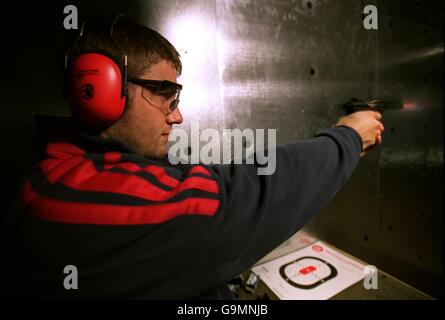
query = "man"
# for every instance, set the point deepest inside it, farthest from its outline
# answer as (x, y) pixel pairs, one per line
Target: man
(104, 215)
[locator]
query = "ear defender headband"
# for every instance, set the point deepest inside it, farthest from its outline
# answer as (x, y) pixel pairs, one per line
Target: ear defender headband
(96, 86)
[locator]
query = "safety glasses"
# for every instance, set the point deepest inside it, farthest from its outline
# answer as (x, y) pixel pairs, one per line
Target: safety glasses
(160, 92)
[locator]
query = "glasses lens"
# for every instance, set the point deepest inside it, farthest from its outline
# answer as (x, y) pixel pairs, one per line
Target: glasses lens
(174, 104)
(153, 98)
(159, 101)
(167, 93)
(159, 94)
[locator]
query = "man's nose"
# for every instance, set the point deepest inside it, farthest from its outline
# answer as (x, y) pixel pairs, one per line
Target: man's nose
(175, 117)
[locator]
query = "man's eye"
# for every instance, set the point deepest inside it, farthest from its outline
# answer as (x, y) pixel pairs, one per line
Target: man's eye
(167, 94)
(152, 89)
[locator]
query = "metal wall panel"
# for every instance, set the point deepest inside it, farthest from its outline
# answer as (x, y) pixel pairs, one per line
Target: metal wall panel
(289, 64)
(411, 66)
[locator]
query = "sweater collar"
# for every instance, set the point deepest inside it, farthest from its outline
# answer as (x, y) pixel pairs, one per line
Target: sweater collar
(54, 128)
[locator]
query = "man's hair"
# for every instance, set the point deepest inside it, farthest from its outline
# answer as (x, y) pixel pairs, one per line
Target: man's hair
(144, 47)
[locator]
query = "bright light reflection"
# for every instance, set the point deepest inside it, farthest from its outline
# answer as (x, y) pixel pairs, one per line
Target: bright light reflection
(194, 37)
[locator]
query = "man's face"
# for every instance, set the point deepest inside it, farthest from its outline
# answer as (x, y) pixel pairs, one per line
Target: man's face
(145, 126)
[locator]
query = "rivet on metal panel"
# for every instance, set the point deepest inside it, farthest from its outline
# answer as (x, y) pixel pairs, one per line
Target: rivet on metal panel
(313, 71)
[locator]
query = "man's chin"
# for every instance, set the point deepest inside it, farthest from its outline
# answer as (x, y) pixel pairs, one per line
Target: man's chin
(155, 155)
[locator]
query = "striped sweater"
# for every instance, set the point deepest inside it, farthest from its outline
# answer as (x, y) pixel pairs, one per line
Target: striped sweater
(146, 229)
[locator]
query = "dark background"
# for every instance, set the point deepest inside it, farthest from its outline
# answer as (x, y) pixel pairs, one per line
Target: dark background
(285, 65)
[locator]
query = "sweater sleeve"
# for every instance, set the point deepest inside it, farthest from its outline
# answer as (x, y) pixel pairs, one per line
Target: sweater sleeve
(258, 213)
(136, 229)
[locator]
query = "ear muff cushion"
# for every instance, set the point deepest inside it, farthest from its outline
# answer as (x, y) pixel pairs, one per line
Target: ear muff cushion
(95, 86)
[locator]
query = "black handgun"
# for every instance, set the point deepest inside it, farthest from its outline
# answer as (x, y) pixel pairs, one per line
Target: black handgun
(355, 105)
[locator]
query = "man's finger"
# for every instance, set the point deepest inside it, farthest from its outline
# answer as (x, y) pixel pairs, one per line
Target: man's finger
(381, 127)
(378, 115)
(378, 139)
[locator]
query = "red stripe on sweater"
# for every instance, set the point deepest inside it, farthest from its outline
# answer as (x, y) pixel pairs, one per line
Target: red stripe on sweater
(82, 213)
(112, 157)
(63, 150)
(200, 169)
(55, 169)
(158, 172)
(28, 194)
(83, 176)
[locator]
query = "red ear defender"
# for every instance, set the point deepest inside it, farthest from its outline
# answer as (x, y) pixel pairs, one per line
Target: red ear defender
(95, 85)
